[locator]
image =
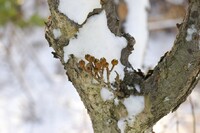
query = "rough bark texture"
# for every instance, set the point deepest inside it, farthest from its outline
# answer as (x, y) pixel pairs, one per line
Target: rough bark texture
(164, 88)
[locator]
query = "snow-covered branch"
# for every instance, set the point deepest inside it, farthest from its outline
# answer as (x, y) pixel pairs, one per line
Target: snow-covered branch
(89, 39)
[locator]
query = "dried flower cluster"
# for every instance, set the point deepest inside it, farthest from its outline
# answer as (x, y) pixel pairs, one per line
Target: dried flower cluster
(97, 67)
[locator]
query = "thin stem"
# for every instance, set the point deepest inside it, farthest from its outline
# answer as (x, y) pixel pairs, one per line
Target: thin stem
(193, 114)
(177, 122)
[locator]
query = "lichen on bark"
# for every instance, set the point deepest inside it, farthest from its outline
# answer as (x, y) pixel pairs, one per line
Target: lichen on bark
(171, 79)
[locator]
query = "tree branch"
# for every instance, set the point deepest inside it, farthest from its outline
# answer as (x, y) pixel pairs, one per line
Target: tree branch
(164, 88)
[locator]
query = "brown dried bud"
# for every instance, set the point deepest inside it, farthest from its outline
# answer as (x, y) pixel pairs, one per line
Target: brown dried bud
(88, 67)
(96, 61)
(102, 60)
(87, 57)
(82, 64)
(96, 70)
(106, 64)
(98, 65)
(114, 62)
(92, 59)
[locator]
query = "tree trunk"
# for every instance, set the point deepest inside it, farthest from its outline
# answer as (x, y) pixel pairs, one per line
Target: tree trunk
(163, 89)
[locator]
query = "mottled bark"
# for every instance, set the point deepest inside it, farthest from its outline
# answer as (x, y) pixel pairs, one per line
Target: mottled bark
(164, 88)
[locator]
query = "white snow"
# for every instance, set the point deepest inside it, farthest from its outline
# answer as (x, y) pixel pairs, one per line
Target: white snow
(58, 108)
(198, 76)
(134, 105)
(137, 87)
(116, 101)
(77, 10)
(56, 33)
(96, 39)
(136, 25)
(106, 94)
(122, 124)
(130, 70)
(129, 87)
(190, 32)
(159, 43)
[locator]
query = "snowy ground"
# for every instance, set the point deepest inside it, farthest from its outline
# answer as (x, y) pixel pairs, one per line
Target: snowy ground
(35, 96)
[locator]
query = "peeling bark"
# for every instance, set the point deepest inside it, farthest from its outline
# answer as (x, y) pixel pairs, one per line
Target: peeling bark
(164, 88)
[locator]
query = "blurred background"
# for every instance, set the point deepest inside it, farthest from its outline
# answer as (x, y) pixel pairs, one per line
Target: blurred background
(35, 95)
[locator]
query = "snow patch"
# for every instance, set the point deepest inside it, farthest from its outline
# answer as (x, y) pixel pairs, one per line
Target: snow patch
(122, 124)
(96, 39)
(116, 101)
(130, 70)
(137, 26)
(134, 105)
(190, 32)
(198, 76)
(106, 94)
(78, 10)
(129, 87)
(56, 33)
(137, 87)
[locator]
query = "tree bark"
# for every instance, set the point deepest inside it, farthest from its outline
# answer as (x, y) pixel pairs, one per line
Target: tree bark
(164, 88)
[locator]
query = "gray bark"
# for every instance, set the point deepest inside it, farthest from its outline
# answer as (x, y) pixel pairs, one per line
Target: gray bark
(164, 88)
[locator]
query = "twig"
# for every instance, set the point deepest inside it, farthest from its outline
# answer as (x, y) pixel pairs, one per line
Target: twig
(193, 114)
(177, 122)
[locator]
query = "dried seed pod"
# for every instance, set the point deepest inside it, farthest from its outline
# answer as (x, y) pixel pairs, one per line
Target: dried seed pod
(114, 62)
(106, 64)
(96, 61)
(92, 59)
(87, 57)
(88, 67)
(96, 70)
(98, 65)
(82, 64)
(103, 60)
